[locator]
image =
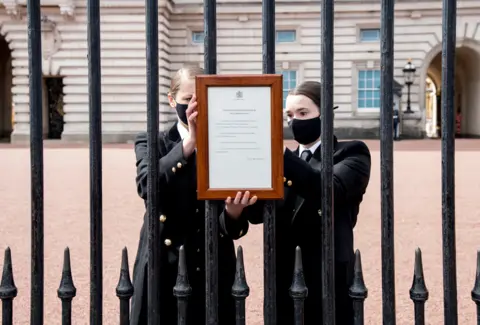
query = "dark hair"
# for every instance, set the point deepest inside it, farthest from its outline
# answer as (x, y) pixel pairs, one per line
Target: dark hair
(310, 89)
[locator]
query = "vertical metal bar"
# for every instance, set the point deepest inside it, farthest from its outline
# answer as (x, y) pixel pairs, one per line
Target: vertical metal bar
(8, 290)
(449, 25)
(240, 289)
(66, 291)
(36, 160)
(358, 291)
(153, 270)
(182, 289)
(210, 41)
(211, 207)
(298, 289)
(124, 289)
(95, 110)
(476, 288)
(418, 291)
(386, 161)
(328, 253)
(269, 228)
(211, 263)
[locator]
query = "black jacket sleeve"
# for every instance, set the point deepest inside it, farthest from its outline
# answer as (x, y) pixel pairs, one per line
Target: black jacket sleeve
(234, 228)
(350, 176)
(168, 165)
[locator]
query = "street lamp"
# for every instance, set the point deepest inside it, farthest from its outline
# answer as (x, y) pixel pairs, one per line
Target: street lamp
(409, 76)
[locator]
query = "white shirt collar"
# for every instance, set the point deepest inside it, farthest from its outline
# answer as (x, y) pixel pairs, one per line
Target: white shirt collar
(312, 149)
(182, 130)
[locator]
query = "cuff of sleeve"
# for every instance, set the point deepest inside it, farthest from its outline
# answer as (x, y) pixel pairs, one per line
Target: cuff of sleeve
(233, 228)
(178, 160)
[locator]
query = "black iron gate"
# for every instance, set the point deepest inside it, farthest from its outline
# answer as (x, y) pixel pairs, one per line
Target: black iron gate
(240, 290)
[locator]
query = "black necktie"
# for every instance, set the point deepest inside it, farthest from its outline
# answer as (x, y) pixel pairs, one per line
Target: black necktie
(306, 155)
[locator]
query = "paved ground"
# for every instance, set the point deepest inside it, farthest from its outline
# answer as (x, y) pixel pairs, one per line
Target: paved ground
(417, 223)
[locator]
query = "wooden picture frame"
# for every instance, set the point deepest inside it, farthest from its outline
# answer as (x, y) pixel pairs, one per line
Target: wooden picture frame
(250, 163)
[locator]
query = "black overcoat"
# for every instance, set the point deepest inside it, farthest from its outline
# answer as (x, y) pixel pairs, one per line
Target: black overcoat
(182, 222)
(298, 223)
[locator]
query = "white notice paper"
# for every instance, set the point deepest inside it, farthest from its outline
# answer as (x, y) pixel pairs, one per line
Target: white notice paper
(239, 137)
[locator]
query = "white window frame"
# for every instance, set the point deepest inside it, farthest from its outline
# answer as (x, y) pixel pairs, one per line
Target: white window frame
(285, 31)
(361, 27)
(356, 68)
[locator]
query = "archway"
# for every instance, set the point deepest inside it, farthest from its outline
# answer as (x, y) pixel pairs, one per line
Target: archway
(467, 96)
(6, 116)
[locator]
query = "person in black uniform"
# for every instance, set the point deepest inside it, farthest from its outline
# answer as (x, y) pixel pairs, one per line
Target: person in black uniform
(396, 123)
(182, 217)
(298, 218)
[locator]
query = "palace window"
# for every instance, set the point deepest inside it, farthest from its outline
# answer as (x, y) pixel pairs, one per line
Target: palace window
(197, 37)
(286, 36)
(370, 35)
(368, 89)
(289, 82)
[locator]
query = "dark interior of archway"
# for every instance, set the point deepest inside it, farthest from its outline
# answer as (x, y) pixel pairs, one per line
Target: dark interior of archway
(6, 121)
(54, 92)
(463, 55)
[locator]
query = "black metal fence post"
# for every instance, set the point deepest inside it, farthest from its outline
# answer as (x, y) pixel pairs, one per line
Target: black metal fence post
(36, 160)
(358, 291)
(182, 289)
(269, 228)
(298, 289)
(211, 207)
(240, 289)
(449, 30)
(124, 289)
(476, 288)
(386, 160)
(8, 290)
(66, 291)
(328, 251)
(419, 292)
(153, 195)
(95, 112)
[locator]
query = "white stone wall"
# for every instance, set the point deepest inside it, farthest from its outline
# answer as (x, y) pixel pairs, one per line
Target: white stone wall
(123, 51)
(417, 37)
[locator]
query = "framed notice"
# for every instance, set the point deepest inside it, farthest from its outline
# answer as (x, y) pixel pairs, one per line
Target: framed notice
(239, 136)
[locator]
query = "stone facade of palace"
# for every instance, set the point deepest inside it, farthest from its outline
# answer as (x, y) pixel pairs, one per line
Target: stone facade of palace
(418, 37)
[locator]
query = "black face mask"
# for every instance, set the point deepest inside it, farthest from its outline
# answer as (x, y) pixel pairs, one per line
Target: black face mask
(305, 131)
(182, 112)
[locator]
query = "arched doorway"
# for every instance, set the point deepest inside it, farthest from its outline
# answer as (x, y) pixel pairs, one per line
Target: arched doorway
(467, 96)
(6, 116)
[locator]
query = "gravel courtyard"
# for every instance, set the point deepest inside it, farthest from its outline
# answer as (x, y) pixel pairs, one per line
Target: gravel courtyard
(417, 224)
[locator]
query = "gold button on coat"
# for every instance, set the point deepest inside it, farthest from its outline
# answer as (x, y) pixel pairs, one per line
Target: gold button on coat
(320, 213)
(174, 169)
(289, 183)
(168, 242)
(284, 179)
(179, 165)
(163, 218)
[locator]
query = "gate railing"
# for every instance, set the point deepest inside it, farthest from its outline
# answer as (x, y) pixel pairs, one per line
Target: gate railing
(240, 289)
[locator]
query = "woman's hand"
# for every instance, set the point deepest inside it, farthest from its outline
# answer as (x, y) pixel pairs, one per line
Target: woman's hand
(192, 114)
(235, 207)
(190, 142)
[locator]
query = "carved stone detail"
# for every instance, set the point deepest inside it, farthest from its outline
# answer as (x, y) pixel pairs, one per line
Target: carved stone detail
(51, 39)
(13, 8)
(67, 9)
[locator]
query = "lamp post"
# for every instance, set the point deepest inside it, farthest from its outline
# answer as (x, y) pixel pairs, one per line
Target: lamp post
(409, 76)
